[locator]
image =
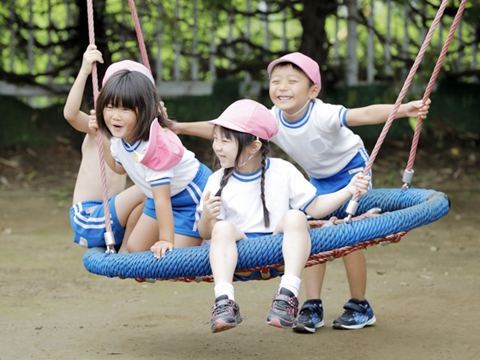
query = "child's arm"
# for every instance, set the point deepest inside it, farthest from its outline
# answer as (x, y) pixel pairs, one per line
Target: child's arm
(210, 212)
(201, 129)
(78, 119)
(163, 209)
(377, 114)
(328, 203)
(107, 155)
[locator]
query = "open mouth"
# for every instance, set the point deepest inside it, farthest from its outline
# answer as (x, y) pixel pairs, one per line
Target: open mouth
(284, 98)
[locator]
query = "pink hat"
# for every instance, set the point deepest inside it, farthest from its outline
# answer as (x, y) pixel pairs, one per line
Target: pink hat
(308, 65)
(248, 116)
(127, 65)
(164, 150)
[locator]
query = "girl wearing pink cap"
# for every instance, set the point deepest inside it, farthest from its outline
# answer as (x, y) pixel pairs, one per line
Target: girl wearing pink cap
(87, 213)
(142, 146)
(253, 195)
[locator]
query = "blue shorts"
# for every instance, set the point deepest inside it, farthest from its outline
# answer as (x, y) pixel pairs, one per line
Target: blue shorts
(88, 223)
(258, 274)
(184, 204)
(342, 178)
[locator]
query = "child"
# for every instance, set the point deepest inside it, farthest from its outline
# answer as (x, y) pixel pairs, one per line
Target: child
(169, 175)
(253, 195)
(316, 136)
(87, 213)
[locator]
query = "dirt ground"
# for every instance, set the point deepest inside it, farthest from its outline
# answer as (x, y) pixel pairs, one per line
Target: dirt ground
(424, 290)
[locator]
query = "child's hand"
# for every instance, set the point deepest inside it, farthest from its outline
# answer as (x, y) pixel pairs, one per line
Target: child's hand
(161, 247)
(211, 207)
(92, 123)
(163, 110)
(89, 57)
(415, 109)
(359, 181)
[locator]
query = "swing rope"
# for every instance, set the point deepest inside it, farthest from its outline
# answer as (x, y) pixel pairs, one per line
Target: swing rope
(353, 203)
(109, 238)
(438, 66)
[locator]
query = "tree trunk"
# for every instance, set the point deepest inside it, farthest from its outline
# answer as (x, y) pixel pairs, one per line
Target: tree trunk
(314, 42)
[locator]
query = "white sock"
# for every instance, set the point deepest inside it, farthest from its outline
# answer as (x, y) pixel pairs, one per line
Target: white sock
(290, 282)
(224, 289)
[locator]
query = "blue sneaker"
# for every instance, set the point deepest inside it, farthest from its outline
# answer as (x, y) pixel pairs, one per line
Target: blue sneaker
(356, 315)
(310, 318)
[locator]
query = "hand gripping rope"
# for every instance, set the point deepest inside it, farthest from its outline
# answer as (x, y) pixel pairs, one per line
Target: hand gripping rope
(408, 174)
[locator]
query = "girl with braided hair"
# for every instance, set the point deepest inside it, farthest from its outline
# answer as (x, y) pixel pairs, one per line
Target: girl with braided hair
(253, 195)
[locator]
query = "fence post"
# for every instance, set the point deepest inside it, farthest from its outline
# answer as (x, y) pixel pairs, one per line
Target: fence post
(248, 76)
(158, 58)
(195, 42)
(352, 59)
(176, 66)
(213, 50)
(388, 40)
(371, 46)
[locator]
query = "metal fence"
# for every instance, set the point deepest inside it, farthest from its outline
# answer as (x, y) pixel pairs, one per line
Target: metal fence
(191, 43)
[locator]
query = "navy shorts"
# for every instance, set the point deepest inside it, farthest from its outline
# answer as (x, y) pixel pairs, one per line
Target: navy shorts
(342, 178)
(88, 223)
(184, 204)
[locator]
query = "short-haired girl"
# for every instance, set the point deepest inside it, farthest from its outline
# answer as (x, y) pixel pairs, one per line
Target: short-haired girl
(128, 113)
(253, 195)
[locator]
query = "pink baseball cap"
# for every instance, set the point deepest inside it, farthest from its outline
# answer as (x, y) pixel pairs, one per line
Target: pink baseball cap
(248, 116)
(127, 65)
(307, 64)
(164, 150)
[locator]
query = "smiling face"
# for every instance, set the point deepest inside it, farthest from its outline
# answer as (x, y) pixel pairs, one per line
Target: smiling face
(120, 121)
(226, 149)
(290, 89)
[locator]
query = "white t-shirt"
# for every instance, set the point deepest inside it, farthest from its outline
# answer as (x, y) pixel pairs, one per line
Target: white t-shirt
(285, 188)
(178, 176)
(320, 142)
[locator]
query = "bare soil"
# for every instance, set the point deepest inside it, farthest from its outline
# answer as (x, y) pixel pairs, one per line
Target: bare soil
(424, 290)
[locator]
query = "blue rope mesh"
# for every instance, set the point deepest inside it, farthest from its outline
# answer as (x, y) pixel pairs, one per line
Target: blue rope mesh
(403, 211)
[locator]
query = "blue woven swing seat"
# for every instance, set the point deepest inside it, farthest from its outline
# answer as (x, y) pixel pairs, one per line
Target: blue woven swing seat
(403, 211)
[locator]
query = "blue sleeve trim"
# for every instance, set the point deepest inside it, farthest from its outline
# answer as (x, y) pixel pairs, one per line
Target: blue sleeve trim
(343, 116)
(165, 181)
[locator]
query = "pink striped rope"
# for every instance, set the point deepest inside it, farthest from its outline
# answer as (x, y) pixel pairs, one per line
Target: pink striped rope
(401, 96)
(91, 35)
(438, 66)
(138, 30)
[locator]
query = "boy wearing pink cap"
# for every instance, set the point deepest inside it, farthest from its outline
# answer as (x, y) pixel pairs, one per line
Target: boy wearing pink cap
(253, 195)
(317, 136)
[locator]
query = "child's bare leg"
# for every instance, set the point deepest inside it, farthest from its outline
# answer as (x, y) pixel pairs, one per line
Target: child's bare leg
(223, 251)
(89, 183)
(223, 260)
(296, 241)
(144, 235)
(183, 241)
(296, 250)
(356, 268)
(131, 223)
(314, 276)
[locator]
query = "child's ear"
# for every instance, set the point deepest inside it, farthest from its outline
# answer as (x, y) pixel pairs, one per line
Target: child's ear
(256, 145)
(313, 92)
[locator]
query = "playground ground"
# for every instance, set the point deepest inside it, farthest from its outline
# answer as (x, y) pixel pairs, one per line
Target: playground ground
(424, 290)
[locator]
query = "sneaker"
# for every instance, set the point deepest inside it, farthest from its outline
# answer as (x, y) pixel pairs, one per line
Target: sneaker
(310, 318)
(225, 314)
(356, 316)
(284, 309)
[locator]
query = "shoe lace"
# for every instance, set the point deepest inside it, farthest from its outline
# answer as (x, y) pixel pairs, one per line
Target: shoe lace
(223, 308)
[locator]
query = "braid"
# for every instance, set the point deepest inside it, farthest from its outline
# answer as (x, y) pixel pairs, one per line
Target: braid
(266, 215)
(226, 175)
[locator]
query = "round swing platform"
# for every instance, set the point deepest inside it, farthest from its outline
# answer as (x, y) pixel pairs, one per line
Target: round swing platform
(402, 212)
